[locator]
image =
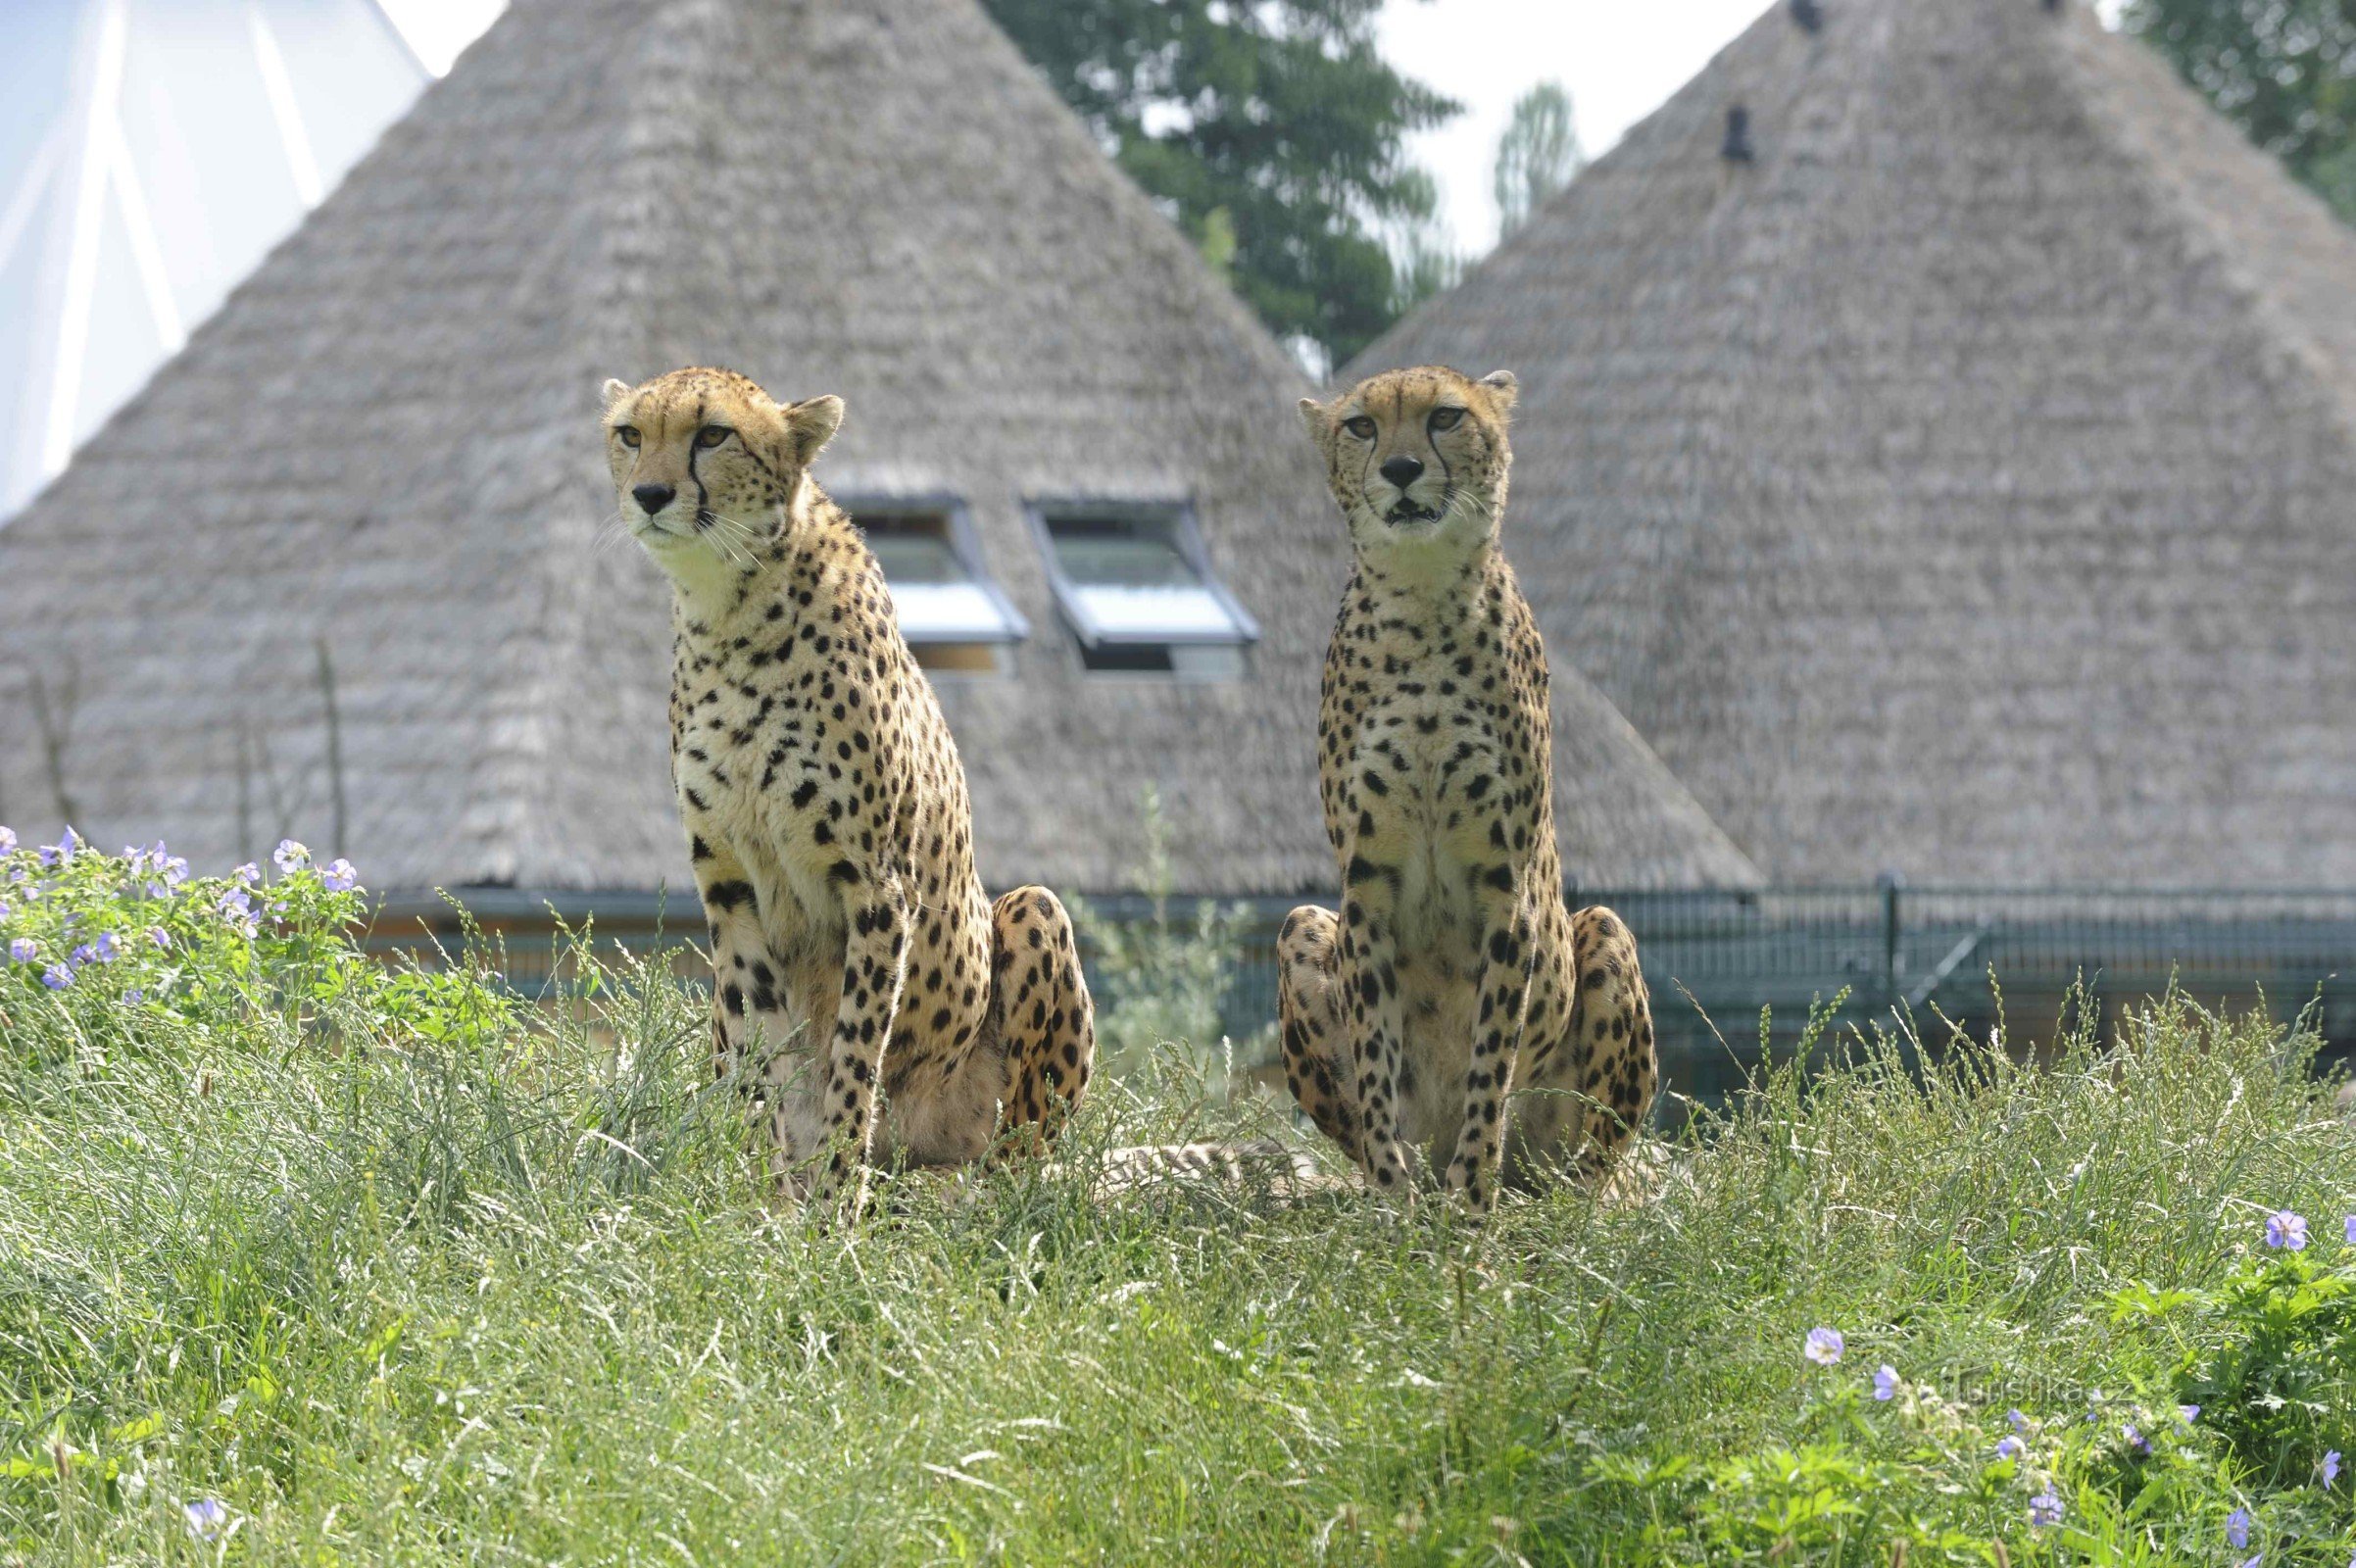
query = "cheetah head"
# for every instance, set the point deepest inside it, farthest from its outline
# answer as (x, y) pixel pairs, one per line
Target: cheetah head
(1417, 456)
(707, 465)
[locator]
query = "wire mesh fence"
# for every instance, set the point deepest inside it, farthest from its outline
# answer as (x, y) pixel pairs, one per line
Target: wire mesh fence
(1716, 961)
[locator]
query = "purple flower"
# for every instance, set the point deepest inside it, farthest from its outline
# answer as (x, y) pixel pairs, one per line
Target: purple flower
(2236, 1528)
(207, 1518)
(159, 937)
(2188, 1413)
(8, 840)
(2286, 1230)
(133, 996)
(2045, 1509)
(248, 873)
(2135, 1437)
(86, 954)
(2351, 1223)
(1886, 1383)
(2019, 1422)
(1824, 1346)
(57, 977)
(236, 908)
(23, 949)
(339, 877)
(2009, 1446)
(2330, 1467)
(61, 851)
(289, 856)
(3, 911)
(2252, 1560)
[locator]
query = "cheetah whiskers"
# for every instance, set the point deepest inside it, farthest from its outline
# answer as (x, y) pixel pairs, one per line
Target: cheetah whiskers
(732, 539)
(611, 534)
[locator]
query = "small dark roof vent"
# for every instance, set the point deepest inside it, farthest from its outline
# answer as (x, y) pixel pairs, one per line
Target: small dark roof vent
(1809, 14)
(1738, 148)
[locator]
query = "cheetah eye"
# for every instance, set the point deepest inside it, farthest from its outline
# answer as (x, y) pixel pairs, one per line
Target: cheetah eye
(711, 435)
(1362, 428)
(628, 435)
(1446, 418)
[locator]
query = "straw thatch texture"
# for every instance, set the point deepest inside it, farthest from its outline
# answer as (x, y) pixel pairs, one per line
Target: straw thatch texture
(1966, 484)
(388, 439)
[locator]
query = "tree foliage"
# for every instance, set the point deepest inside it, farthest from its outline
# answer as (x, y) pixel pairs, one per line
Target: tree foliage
(1538, 155)
(2284, 70)
(1271, 130)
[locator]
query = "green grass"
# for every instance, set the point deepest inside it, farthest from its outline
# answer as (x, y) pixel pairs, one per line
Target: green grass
(399, 1272)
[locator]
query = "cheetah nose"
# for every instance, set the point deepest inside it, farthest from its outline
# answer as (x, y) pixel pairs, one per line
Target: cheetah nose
(1403, 471)
(652, 497)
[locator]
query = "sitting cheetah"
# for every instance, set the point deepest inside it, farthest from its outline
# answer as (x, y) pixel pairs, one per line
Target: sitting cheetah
(1454, 974)
(825, 809)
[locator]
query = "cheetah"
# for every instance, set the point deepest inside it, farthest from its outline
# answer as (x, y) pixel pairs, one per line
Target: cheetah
(874, 1003)
(1454, 976)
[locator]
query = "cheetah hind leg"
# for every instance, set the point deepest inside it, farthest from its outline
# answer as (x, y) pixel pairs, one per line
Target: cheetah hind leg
(1586, 1090)
(1041, 1013)
(1310, 1025)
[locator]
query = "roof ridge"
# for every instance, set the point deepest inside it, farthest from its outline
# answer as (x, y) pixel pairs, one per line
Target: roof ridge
(2321, 341)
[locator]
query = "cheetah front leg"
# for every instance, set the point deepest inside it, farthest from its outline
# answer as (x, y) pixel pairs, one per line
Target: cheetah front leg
(750, 1023)
(1507, 952)
(1310, 1026)
(1369, 971)
(1041, 1013)
(874, 972)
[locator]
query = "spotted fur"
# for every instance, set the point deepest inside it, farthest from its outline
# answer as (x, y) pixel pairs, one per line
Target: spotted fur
(1454, 976)
(865, 992)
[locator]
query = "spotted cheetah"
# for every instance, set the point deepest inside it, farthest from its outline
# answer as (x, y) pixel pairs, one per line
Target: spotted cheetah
(826, 814)
(1454, 975)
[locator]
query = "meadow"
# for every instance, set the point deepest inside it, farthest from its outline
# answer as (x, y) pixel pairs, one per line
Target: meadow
(309, 1259)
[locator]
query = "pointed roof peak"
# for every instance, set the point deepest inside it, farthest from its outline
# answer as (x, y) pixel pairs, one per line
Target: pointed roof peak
(1940, 487)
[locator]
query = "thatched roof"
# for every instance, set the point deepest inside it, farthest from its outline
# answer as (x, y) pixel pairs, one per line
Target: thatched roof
(388, 440)
(1966, 484)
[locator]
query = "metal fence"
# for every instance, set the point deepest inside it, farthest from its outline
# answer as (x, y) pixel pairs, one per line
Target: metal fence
(1716, 960)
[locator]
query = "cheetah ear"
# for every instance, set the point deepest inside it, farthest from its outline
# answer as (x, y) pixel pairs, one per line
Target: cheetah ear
(1503, 389)
(1313, 414)
(614, 390)
(812, 425)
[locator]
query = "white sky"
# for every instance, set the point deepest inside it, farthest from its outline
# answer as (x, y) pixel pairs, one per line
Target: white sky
(437, 29)
(1619, 60)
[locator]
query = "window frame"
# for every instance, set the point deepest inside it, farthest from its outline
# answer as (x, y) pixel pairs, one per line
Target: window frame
(1041, 512)
(964, 544)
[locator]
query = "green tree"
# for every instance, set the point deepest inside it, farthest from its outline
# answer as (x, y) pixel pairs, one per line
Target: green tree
(1272, 131)
(2284, 70)
(1537, 154)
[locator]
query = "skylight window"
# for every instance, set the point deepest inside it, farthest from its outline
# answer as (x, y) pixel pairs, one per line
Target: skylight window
(1136, 588)
(953, 615)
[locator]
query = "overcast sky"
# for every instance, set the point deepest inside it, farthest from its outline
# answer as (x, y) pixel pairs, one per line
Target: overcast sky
(1619, 59)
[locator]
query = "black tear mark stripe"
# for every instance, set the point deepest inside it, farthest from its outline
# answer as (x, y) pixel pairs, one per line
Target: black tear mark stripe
(694, 455)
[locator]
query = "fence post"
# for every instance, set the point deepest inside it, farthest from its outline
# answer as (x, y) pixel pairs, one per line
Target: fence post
(1891, 885)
